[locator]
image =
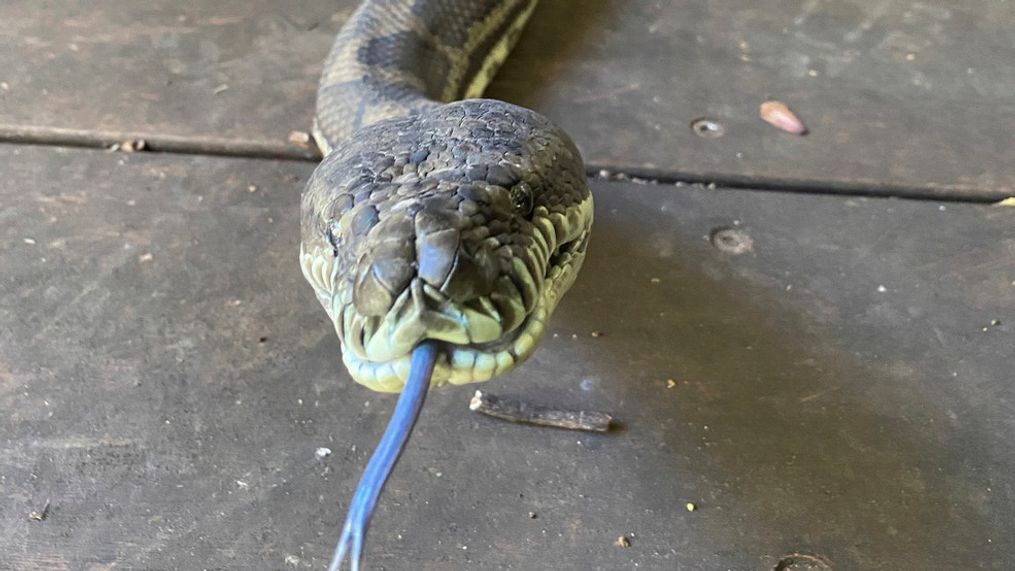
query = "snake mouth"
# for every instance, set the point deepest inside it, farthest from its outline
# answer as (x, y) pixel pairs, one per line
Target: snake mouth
(560, 261)
(480, 340)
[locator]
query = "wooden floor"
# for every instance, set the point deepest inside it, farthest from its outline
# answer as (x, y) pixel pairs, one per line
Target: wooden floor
(838, 395)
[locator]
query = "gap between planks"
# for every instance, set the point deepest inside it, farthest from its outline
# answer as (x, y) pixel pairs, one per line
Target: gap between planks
(285, 150)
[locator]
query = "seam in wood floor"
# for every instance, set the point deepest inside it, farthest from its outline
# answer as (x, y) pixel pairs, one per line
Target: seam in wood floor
(223, 147)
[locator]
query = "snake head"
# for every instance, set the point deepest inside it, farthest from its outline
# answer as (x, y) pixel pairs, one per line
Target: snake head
(464, 223)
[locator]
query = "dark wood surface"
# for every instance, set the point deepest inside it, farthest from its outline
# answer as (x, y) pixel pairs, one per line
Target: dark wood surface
(235, 70)
(903, 98)
(842, 388)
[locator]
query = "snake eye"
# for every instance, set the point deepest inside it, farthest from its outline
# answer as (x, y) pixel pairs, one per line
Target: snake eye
(521, 198)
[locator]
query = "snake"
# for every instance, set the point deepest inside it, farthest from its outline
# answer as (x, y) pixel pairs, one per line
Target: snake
(441, 228)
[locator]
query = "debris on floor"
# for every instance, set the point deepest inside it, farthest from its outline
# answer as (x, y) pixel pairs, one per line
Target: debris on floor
(301, 138)
(129, 146)
(40, 515)
(777, 114)
(525, 413)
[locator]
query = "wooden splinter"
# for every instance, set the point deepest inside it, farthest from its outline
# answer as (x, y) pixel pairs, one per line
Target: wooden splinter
(525, 413)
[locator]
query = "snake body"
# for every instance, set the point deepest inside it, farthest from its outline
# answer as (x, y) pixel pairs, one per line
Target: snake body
(441, 229)
(435, 214)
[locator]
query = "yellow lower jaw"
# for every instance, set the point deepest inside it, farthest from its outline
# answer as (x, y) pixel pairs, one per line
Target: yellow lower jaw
(463, 364)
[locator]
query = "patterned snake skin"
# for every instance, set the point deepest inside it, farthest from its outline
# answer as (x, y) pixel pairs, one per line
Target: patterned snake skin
(435, 215)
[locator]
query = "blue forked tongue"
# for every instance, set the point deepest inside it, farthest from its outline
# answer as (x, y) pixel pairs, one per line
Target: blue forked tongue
(410, 402)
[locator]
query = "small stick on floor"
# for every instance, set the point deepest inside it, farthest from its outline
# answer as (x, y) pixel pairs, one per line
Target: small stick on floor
(525, 413)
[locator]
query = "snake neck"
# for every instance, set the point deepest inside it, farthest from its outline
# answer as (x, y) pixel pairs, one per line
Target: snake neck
(395, 58)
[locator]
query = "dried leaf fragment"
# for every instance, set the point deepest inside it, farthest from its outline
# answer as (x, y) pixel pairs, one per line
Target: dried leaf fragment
(622, 541)
(1010, 201)
(776, 113)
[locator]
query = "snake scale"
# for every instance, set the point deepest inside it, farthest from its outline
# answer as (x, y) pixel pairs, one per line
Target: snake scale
(441, 229)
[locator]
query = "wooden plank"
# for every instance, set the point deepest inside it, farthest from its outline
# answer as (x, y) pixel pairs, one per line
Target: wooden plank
(240, 70)
(900, 97)
(841, 388)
